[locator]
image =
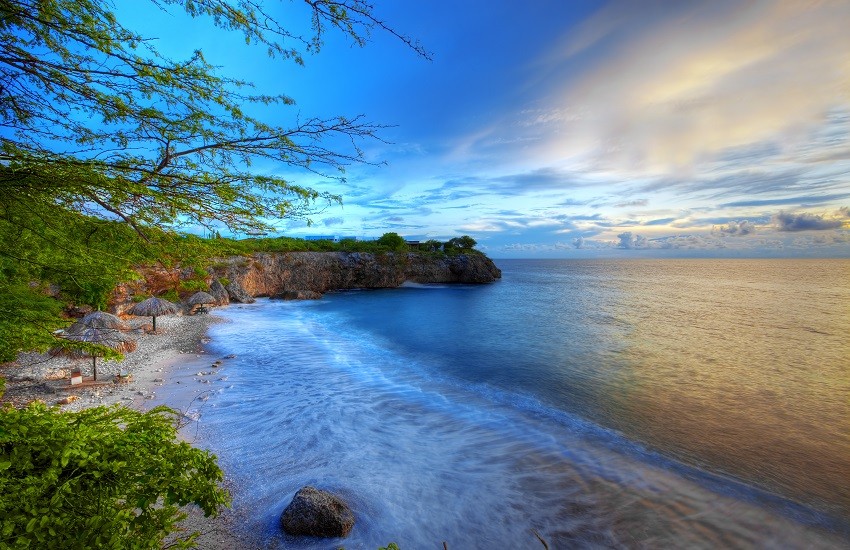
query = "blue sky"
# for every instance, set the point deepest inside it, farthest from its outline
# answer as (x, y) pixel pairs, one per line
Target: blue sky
(579, 129)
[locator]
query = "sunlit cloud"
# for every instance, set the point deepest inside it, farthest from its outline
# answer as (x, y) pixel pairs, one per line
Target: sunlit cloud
(687, 89)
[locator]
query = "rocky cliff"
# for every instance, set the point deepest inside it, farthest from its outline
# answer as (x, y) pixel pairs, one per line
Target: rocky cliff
(305, 275)
(310, 274)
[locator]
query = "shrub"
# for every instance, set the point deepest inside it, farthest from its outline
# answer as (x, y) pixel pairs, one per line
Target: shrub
(464, 243)
(193, 285)
(103, 477)
(393, 241)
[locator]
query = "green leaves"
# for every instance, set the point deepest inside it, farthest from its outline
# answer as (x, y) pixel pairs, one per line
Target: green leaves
(155, 141)
(101, 477)
(105, 140)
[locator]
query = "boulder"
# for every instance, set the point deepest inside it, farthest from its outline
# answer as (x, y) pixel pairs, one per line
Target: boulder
(219, 293)
(238, 294)
(298, 295)
(317, 513)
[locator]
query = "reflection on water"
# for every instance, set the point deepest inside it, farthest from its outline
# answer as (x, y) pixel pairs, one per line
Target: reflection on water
(745, 369)
(475, 414)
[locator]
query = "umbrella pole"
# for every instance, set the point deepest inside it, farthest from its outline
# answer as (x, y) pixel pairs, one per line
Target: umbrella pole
(94, 365)
(154, 322)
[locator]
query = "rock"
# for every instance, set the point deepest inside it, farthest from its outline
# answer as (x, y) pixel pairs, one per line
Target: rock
(298, 295)
(317, 513)
(273, 274)
(219, 293)
(238, 294)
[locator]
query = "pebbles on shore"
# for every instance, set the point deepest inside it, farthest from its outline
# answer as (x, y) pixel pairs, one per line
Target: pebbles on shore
(45, 377)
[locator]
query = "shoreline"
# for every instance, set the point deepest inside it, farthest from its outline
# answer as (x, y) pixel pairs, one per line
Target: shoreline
(180, 339)
(47, 378)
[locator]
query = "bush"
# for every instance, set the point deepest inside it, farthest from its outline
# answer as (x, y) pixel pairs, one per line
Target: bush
(463, 243)
(104, 477)
(393, 241)
(193, 285)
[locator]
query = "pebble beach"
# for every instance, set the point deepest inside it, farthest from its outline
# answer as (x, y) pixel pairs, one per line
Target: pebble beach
(45, 377)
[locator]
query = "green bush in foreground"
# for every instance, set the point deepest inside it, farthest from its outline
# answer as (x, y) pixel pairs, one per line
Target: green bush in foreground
(104, 477)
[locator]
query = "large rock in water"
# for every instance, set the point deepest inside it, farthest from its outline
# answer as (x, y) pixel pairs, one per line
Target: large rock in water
(317, 513)
(238, 294)
(219, 293)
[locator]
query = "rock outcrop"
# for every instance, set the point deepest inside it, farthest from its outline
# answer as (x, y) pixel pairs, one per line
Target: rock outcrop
(320, 272)
(298, 295)
(222, 298)
(317, 513)
(306, 275)
(238, 294)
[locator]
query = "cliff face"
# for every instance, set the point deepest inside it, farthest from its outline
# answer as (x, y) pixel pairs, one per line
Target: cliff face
(318, 272)
(306, 275)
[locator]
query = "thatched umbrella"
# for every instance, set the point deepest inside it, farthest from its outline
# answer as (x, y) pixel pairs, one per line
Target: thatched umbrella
(99, 319)
(201, 298)
(110, 337)
(152, 307)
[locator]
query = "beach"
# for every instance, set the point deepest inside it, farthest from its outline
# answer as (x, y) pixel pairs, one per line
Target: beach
(38, 376)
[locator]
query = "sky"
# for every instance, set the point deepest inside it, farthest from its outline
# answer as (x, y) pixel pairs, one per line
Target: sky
(559, 129)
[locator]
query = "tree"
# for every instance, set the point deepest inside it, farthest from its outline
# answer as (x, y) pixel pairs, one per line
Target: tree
(393, 241)
(432, 245)
(95, 120)
(100, 478)
(96, 126)
(464, 243)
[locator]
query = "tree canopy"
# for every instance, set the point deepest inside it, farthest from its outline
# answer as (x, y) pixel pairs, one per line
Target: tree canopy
(95, 118)
(393, 241)
(104, 141)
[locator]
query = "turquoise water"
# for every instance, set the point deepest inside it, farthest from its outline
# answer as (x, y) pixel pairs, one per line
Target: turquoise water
(693, 403)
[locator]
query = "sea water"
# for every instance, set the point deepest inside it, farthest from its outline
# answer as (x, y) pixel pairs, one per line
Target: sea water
(691, 404)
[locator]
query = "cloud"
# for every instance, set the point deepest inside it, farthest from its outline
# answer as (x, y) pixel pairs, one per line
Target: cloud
(639, 202)
(662, 92)
(333, 221)
(629, 241)
(741, 227)
(578, 242)
(802, 200)
(661, 221)
(518, 183)
(787, 221)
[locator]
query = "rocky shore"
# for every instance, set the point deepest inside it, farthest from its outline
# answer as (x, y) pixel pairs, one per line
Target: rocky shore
(307, 275)
(46, 377)
(178, 339)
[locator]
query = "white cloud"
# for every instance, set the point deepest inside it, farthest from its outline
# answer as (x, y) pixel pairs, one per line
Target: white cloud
(725, 74)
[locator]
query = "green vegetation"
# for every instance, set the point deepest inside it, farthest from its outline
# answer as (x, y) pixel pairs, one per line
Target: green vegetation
(103, 477)
(82, 258)
(393, 241)
(460, 243)
(108, 149)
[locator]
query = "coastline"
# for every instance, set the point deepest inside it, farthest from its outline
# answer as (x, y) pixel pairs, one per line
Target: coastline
(40, 376)
(45, 377)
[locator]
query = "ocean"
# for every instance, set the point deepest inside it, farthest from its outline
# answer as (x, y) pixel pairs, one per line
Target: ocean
(605, 403)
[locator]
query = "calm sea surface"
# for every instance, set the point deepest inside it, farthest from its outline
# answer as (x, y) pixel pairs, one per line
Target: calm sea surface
(692, 403)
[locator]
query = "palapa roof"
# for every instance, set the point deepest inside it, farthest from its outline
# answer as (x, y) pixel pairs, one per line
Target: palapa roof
(201, 297)
(109, 337)
(152, 307)
(100, 319)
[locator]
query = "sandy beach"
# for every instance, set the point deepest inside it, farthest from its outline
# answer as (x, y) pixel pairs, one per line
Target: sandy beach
(36, 376)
